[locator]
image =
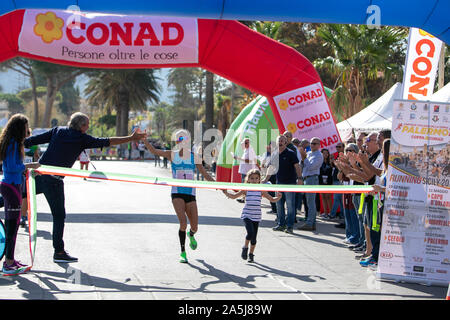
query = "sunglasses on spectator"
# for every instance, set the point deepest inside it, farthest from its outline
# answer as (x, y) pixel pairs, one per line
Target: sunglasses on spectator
(339, 146)
(368, 140)
(349, 150)
(314, 142)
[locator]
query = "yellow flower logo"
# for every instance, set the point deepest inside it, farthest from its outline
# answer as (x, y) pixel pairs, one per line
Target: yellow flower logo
(424, 33)
(48, 27)
(283, 104)
(292, 127)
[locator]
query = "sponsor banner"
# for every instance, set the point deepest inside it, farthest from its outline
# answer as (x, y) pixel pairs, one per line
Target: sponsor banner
(421, 65)
(421, 123)
(416, 223)
(305, 113)
(109, 39)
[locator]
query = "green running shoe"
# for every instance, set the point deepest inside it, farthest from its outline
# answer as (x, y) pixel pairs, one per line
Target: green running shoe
(192, 241)
(183, 258)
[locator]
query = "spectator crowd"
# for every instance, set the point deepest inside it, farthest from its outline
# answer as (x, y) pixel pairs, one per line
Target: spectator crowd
(361, 160)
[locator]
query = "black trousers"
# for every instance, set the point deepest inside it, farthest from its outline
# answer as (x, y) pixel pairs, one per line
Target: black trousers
(273, 180)
(252, 230)
(53, 190)
(12, 195)
(375, 236)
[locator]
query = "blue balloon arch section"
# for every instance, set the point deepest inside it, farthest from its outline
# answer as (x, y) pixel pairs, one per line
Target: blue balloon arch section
(429, 15)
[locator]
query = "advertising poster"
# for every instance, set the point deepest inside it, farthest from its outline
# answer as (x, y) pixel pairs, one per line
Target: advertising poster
(109, 39)
(415, 230)
(305, 113)
(421, 64)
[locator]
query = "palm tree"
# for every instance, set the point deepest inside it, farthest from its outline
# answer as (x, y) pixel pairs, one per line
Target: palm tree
(209, 100)
(25, 67)
(188, 87)
(160, 116)
(56, 77)
(123, 90)
(272, 29)
(360, 55)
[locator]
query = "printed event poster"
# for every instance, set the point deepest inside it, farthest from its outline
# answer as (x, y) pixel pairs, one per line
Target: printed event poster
(305, 112)
(415, 229)
(109, 39)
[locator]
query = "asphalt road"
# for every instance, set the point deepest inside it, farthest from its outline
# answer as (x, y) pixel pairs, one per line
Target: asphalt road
(126, 238)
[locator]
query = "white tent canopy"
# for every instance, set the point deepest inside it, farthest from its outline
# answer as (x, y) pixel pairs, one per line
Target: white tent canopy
(378, 115)
(442, 95)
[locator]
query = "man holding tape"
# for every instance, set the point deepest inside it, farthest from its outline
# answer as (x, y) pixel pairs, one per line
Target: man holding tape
(65, 145)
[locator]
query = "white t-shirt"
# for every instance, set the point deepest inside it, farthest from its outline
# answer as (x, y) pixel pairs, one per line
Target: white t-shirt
(84, 157)
(250, 155)
(379, 164)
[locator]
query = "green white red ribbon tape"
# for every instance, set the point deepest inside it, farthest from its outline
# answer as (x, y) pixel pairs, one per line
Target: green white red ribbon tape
(110, 176)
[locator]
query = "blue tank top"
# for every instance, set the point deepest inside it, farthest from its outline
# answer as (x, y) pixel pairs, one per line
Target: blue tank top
(183, 169)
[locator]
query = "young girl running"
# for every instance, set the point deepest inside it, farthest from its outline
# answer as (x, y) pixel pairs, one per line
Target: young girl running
(251, 214)
(12, 154)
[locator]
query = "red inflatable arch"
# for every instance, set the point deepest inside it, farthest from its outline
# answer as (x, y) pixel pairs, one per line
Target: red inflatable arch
(227, 48)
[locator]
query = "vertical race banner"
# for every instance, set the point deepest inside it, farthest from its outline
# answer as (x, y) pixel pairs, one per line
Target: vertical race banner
(305, 112)
(416, 225)
(421, 65)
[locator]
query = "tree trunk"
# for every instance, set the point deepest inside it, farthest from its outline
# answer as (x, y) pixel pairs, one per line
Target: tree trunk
(124, 106)
(209, 100)
(51, 94)
(35, 100)
(200, 96)
(118, 121)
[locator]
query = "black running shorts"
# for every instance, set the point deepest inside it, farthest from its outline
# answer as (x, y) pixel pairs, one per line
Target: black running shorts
(186, 197)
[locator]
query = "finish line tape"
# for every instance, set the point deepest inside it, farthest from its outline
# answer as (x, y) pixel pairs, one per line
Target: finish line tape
(109, 176)
(100, 175)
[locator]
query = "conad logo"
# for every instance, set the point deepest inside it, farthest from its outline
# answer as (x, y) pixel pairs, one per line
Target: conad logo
(313, 120)
(50, 27)
(422, 65)
(303, 97)
(386, 255)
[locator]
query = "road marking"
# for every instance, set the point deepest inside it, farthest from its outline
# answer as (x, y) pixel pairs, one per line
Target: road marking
(271, 276)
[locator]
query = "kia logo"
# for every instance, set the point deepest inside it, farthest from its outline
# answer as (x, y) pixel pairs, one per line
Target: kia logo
(386, 255)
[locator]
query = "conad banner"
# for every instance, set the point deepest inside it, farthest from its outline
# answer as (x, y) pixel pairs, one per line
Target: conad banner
(416, 225)
(305, 112)
(256, 121)
(421, 65)
(109, 39)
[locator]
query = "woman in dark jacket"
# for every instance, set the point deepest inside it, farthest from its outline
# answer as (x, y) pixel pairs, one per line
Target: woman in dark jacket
(325, 178)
